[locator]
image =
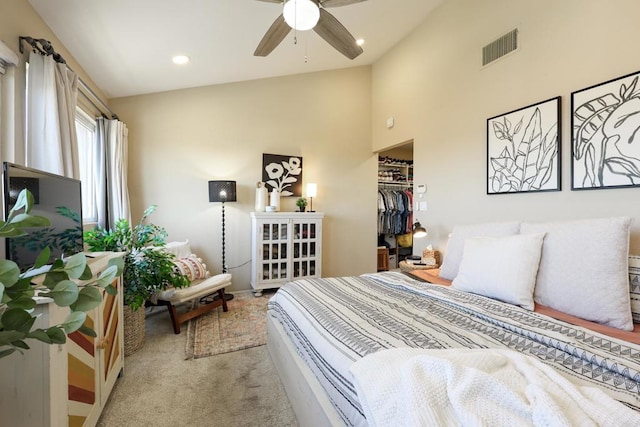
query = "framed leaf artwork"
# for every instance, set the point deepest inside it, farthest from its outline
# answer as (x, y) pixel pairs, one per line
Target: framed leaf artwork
(284, 173)
(605, 127)
(523, 149)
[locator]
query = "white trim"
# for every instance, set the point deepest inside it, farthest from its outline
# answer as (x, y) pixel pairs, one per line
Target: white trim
(7, 57)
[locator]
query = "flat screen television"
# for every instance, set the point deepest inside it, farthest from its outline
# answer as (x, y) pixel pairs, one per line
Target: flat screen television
(57, 198)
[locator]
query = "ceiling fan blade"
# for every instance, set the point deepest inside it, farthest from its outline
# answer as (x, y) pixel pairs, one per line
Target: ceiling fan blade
(336, 3)
(272, 38)
(334, 33)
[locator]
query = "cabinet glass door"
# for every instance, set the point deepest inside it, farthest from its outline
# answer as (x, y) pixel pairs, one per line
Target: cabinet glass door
(274, 251)
(304, 249)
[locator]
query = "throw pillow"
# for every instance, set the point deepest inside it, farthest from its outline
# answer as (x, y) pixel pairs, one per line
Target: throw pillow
(503, 268)
(178, 249)
(453, 255)
(584, 269)
(192, 267)
(634, 287)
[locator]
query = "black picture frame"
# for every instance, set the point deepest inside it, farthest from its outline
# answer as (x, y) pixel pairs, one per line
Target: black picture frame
(523, 149)
(283, 173)
(605, 135)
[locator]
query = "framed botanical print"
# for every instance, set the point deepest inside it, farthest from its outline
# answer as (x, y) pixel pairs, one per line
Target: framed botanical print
(523, 149)
(605, 126)
(284, 173)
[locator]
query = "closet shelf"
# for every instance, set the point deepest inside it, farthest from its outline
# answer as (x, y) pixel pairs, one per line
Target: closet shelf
(409, 183)
(398, 165)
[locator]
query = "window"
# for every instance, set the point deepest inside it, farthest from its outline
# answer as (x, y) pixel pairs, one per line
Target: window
(88, 157)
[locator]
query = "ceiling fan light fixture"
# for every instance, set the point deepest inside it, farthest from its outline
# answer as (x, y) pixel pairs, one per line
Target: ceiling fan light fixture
(301, 15)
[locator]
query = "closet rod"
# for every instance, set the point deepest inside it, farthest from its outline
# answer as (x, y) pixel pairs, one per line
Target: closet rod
(44, 47)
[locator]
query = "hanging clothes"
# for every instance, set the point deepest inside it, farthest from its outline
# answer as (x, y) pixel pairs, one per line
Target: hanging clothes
(394, 211)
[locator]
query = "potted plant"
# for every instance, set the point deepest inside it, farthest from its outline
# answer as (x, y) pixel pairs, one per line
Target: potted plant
(17, 293)
(147, 270)
(301, 203)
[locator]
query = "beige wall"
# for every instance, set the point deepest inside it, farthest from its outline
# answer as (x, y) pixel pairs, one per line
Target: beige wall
(181, 139)
(434, 86)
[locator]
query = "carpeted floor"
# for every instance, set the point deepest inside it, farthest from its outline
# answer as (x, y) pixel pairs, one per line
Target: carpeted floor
(217, 332)
(160, 388)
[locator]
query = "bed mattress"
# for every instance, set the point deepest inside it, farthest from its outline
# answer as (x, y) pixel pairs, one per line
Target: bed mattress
(334, 322)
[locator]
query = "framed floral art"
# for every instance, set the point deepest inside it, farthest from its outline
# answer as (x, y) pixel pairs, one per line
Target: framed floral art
(284, 173)
(523, 149)
(605, 125)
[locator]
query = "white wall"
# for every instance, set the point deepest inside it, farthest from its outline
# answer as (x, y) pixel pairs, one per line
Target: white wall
(181, 139)
(434, 86)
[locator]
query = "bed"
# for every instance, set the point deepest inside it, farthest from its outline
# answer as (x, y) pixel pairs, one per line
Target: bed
(319, 329)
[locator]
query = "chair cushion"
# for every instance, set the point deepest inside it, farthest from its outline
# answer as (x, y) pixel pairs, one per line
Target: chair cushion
(197, 289)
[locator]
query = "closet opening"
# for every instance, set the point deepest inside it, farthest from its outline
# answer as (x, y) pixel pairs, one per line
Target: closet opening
(395, 205)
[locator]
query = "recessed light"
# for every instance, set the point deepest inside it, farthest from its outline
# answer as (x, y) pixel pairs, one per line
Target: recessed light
(180, 59)
(360, 42)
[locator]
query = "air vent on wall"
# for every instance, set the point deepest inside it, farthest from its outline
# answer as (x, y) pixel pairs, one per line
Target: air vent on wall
(500, 47)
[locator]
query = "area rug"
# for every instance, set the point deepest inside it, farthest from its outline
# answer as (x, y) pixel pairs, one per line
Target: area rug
(243, 326)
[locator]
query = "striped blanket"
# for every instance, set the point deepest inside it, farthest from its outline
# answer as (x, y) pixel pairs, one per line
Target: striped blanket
(335, 322)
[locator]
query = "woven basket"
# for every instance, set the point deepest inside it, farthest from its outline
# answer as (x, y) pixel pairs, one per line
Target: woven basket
(133, 330)
(407, 266)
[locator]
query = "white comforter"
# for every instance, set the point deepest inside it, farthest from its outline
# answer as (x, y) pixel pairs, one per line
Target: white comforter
(473, 387)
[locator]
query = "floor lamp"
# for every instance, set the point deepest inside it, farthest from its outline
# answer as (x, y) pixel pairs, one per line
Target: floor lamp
(223, 191)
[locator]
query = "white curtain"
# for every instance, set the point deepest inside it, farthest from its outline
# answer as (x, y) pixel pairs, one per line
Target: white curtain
(51, 106)
(113, 194)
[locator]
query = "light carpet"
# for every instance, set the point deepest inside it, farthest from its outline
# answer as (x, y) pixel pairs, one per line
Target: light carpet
(218, 332)
(160, 388)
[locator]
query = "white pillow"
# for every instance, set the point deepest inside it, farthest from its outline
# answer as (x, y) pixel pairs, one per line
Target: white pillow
(584, 269)
(453, 255)
(503, 268)
(179, 249)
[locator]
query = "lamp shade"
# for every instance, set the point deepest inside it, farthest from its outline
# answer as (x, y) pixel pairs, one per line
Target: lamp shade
(302, 15)
(419, 230)
(222, 191)
(312, 189)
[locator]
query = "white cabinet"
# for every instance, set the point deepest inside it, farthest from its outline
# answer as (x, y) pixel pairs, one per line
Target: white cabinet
(285, 246)
(68, 384)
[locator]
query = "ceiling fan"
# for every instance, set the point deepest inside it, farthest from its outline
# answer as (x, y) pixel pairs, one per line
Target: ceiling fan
(305, 15)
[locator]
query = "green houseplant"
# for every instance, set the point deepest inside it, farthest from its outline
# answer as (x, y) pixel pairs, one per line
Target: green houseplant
(301, 203)
(18, 294)
(147, 270)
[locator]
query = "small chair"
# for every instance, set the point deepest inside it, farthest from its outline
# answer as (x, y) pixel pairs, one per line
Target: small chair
(202, 285)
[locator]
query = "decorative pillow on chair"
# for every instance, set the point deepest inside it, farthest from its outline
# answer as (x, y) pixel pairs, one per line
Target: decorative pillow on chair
(503, 268)
(192, 267)
(453, 255)
(178, 249)
(584, 269)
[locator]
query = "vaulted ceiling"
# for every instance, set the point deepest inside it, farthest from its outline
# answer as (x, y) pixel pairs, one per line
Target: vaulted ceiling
(126, 46)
